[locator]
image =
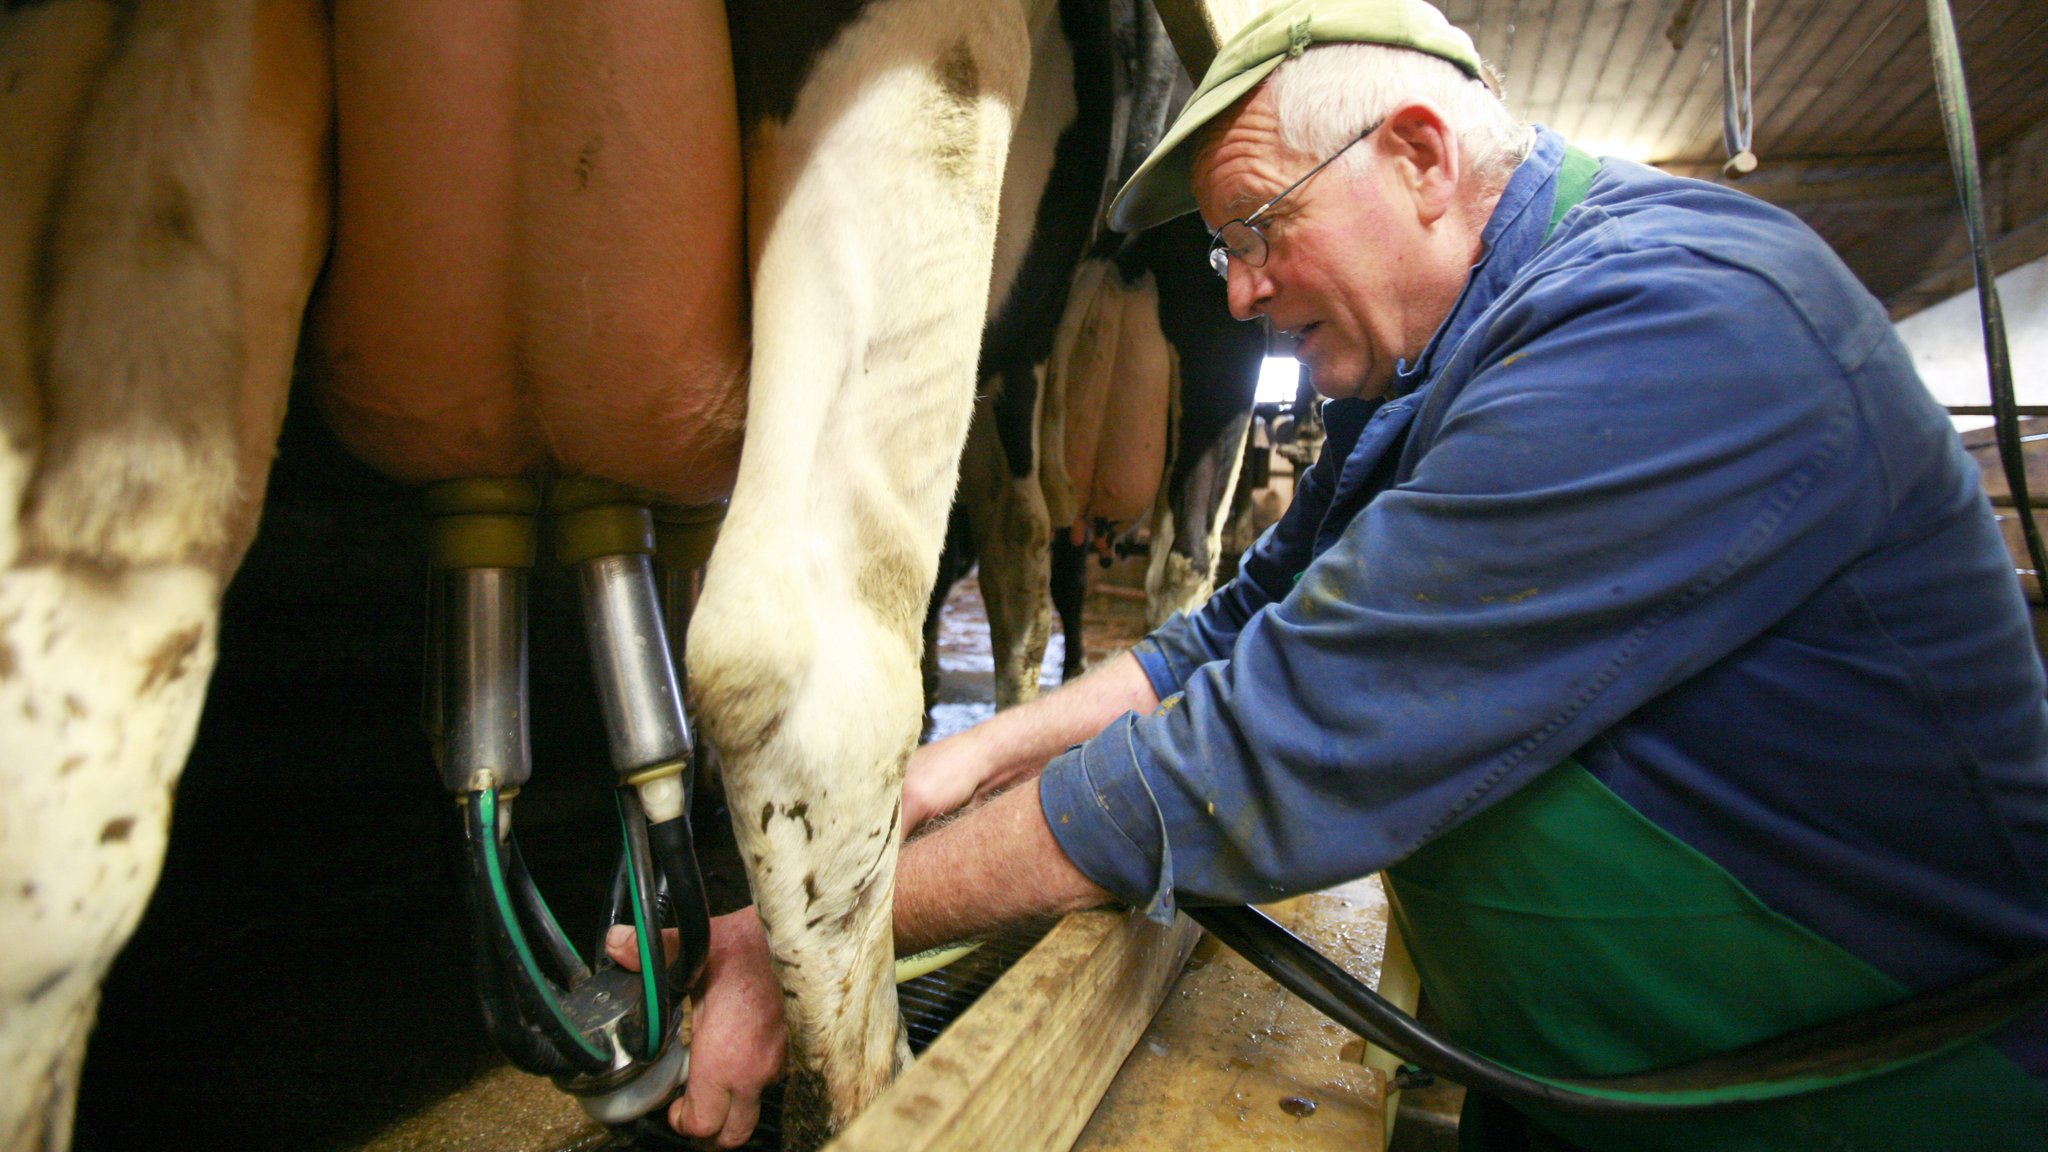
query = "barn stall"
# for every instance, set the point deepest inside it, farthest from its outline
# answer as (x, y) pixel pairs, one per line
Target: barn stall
(301, 979)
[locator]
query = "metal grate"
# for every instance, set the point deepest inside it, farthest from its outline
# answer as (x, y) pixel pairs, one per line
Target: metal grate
(930, 1003)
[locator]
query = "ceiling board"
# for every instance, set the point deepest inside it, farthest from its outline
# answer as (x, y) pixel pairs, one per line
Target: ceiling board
(1847, 127)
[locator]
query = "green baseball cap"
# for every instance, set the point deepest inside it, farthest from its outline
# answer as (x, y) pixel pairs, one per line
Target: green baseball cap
(1159, 190)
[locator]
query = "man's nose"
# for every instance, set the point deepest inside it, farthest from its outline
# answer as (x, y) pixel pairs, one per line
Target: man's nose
(1249, 290)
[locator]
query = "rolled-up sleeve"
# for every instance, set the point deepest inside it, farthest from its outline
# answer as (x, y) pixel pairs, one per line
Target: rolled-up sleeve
(1631, 488)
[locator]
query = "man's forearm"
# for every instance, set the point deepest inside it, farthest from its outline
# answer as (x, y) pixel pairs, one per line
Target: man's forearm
(994, 867)
(1016, 743)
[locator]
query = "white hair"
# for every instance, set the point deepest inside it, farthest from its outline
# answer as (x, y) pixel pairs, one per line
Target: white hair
(1330, 93)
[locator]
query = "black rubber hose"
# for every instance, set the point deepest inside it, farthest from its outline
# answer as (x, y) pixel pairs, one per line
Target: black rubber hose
(1815, 1058)
(508, 1000)
(1954, 95)
(675, 850)
(565, 967)
(659, 995)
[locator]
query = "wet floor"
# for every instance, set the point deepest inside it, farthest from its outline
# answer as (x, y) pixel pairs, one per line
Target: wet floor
(301, 980)
(1115, 619)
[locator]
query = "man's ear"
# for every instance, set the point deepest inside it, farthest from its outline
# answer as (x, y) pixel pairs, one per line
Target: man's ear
(1427, 163)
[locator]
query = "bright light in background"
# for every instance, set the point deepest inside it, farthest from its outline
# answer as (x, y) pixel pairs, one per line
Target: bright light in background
(1277, 380)
(1947, 343)
(1636, 150)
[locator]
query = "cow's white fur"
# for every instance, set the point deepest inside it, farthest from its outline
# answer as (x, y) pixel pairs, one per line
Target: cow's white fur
(138, 460)
(104, 677)
(875, 214)
(106, 611)
(874, 257)
(136, 429)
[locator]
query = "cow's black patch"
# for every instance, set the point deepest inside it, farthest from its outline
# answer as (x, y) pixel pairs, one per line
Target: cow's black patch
(773, 45)
(1021, 336)
(1219, 363)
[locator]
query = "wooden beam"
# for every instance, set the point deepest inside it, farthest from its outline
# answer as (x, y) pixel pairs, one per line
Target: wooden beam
(1954, 272)
(2017, 204)
(1235, 1063)
(1021, 1070)
(1904, 181)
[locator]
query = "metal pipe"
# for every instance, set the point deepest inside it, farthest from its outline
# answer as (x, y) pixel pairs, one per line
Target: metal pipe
(484, 664)
(637, 686)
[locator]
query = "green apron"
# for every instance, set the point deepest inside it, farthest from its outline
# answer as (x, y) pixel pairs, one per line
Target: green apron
(1563, 934)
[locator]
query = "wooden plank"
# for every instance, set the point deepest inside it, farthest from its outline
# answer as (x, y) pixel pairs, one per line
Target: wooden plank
(2019, 212)
(1233, 1061)
(1837, 76)
(1916, 181)
(1592, 54)
(1023, 1068)
(1982, 445)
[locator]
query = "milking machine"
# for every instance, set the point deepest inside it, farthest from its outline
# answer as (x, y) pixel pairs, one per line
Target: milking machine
(607, 1035)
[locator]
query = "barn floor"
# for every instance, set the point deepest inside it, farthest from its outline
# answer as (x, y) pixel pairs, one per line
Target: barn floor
(300, 981)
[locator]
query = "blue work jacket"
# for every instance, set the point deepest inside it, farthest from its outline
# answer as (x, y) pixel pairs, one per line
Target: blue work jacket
(1664, 494)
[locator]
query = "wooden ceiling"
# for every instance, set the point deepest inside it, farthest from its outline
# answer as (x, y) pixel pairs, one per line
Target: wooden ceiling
(1847, 125)
(1846, 121)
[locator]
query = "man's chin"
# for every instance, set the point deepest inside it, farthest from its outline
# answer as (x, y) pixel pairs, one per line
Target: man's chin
(1334, 384)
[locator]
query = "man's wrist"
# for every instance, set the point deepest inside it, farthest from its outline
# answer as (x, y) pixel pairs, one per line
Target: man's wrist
(994, 867)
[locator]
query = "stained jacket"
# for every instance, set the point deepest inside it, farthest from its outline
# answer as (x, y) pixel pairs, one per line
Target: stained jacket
(1663, 494)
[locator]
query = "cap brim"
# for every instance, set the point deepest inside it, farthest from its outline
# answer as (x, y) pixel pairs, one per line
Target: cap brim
(1160, 189)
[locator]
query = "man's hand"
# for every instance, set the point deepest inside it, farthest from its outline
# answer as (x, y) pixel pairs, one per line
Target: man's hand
(737, 1037)
(1014, 745)
(940, 778)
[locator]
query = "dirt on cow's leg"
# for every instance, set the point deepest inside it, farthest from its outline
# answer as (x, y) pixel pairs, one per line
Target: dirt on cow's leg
(163, 163)
(875, 207)
(101, 681)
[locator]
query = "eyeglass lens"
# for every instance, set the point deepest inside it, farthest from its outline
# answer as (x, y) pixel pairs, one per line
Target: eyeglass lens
(1237, 240)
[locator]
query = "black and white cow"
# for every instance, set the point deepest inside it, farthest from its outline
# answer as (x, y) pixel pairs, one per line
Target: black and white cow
(1064, 352)
(1005, 518)
(581, 239)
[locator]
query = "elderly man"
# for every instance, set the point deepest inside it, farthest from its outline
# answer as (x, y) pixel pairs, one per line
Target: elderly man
(1643, 619)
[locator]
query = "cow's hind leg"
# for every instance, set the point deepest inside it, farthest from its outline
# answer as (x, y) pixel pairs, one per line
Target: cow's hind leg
(163, 170)
(877, 226)
(1070, 596)
(1011, 532)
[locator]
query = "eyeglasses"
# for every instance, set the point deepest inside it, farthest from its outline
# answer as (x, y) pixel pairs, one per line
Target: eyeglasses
(1242, 239)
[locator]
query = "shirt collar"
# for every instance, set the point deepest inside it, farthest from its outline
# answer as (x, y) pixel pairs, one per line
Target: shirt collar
(1512, 235)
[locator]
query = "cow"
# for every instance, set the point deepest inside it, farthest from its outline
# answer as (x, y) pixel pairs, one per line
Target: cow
(1119, 372)
(1018, 514)
(532, 244)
